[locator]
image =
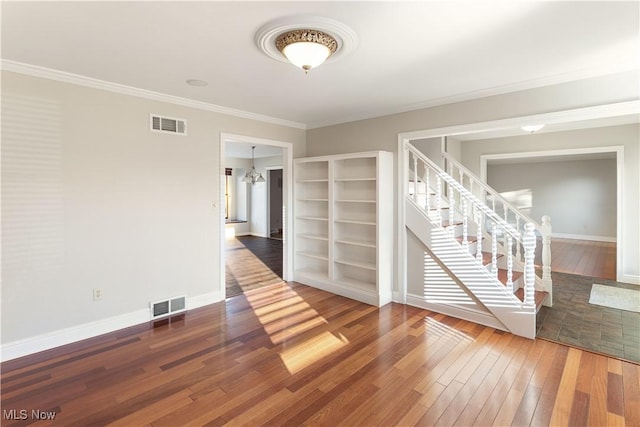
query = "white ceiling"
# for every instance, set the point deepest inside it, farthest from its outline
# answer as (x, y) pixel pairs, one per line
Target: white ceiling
(409, 54)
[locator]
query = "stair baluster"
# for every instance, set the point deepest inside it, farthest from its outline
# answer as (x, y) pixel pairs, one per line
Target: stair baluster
(415, 178)
(494, 250)
(427, 189)
(465, 224)
(510, 263)
(452, 204)
(529, 243)
(518, 253)
(479, 220)
(439, 200)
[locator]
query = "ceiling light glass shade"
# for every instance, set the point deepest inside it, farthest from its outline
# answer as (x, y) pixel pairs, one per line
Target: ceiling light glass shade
(306, 55)
(306, 49)
(531, 128)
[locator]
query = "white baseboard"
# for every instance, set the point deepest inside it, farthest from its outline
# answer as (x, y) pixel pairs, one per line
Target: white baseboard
(204, 299)
(457, 312)
(259, 235)
(631, 279)
(583, 237)
(73, 334)
(60, 337)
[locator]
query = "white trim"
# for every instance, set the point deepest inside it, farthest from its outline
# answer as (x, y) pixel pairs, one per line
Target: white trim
(583, 237)
(73, 334)
(204, 299)
(60, 337)
(65, 77)
(401, 253)
(468, 96)
(468, 314)
(632, 279)
(287, 198)
(620, 200)
(587, 113)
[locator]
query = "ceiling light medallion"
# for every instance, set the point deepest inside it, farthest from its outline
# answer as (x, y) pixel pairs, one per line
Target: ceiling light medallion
(306, 41)
(306, 48)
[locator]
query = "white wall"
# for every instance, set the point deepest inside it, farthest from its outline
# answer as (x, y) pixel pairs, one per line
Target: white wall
(382, 133)
(92, 199)
(578, 195)
(275, 182)
(626, 136)
(259, 204)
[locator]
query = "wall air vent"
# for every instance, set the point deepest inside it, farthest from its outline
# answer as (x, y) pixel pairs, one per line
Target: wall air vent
(168, 125)
(168, 307)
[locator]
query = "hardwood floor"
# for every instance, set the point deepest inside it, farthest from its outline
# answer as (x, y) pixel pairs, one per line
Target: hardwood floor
(288, 354)
(252, 262)
(582, 257)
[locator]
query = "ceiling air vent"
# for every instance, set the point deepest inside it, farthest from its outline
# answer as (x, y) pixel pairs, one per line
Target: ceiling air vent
(167, 307)
(168, 125)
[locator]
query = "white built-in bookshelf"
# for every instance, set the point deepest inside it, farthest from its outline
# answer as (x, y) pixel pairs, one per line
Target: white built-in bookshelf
(344, 224)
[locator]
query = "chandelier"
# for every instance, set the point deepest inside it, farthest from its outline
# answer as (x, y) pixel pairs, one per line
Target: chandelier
(253, 176)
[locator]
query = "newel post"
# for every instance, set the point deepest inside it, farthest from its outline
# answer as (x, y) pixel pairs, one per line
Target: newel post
(529, 243)
(546, 255)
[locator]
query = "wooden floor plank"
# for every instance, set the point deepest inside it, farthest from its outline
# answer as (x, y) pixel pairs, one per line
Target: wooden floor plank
(395, 365)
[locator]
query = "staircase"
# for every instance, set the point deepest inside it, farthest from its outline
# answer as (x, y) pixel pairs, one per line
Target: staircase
(481, 242)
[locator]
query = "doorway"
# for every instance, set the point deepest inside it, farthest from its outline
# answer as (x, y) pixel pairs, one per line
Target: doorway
(249, 256)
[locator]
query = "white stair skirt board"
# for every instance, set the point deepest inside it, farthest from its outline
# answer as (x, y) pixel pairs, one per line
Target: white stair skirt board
(622, 299)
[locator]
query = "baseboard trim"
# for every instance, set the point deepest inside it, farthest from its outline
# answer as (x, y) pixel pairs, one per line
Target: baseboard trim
(459, 313)
(631, 279)
(204, 299)
(583, 237)
(73, 334)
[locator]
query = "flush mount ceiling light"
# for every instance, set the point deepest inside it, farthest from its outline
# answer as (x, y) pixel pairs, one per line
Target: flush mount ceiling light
(306, 41)
(253, 175)
(531, 128)
(306, 48)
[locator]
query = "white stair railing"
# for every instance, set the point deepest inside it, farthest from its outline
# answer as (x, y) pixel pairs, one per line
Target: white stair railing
(423, 170)
(511, 214)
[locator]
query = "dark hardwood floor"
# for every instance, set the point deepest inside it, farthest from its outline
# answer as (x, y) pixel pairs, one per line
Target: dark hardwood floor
(252, 262)
(288, 354)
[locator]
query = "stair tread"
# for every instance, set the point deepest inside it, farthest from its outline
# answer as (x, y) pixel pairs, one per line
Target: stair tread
(502, 276)
(470, 239)
(487, 256)
(538, 296)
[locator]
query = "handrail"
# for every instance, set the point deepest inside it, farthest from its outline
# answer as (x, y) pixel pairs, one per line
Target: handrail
(521, 218)
(491, 191)
(468, 195)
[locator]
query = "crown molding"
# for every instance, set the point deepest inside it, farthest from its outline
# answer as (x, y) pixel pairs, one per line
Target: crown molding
(65, 77)
(485, 93)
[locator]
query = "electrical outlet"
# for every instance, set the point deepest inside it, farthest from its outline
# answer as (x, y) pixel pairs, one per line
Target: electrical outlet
(97, 294)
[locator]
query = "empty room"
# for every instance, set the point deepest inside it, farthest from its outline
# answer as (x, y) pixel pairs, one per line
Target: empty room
(320, 213)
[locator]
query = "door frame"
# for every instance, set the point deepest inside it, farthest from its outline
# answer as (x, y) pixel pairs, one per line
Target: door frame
(579, 114)
(287, 200)
(572, 153)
